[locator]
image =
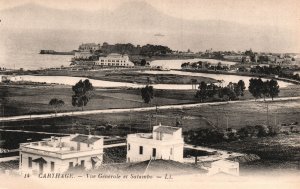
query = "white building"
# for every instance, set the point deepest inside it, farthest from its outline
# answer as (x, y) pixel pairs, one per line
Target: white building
(224, 166)
(116, 60)
(164, 142)
(58, 154)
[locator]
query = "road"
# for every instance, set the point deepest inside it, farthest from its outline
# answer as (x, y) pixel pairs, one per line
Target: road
(109, 111)
(38, 132)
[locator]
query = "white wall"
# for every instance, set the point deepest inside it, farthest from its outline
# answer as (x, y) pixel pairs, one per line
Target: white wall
(163, 150)
(60, 165)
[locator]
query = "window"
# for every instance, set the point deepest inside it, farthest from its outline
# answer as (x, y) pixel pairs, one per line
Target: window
(82, 163)
(29, 162)
(52, 166)
(128, 147)
(70, 164)
(141, 150)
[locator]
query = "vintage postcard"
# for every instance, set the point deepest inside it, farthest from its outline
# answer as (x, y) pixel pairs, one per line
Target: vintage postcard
(149, 93)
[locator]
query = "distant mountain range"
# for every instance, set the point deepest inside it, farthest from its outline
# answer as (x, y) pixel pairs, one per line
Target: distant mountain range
(140, 17)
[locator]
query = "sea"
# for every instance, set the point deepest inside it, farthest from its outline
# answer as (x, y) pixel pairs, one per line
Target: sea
(20, 48)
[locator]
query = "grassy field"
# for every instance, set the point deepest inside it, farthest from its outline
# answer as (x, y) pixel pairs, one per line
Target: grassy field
(34, 99)
(20, 100)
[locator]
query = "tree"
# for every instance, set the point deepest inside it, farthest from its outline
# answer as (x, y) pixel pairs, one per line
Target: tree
(147, 93)
(228, 92)
(143, 62)
(241, 85)
(265, 91)
(237, 90)
(202, 92)
(273, 88)
(185, 65)
(269, 88)
(219, 66)
(56, 103)
(82, 93)
(194, 82)
(255, 87)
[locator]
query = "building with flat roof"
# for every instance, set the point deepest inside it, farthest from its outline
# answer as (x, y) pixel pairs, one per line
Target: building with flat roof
(60, 154)
(114, 60)
(165, 142)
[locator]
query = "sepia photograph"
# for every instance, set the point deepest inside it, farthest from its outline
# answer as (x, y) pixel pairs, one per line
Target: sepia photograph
(149, 94)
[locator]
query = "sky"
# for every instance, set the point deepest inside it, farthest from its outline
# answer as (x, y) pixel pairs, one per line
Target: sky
(261, 15)
(282, 13)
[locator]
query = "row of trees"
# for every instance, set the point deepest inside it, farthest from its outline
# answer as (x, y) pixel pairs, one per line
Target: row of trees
(210, 90)
(277, 70)
(203, 65)
(259, 88)
(147, 50)
(273, 70)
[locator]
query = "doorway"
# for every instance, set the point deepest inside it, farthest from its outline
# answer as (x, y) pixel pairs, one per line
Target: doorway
(153, 152)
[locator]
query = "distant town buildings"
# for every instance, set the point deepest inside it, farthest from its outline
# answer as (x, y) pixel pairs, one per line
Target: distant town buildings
(165, 142)
(237, 58)
(83, 55)
(91, 47)
(60, 154)
(94, 56)
(208, 65)
(114, 60)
